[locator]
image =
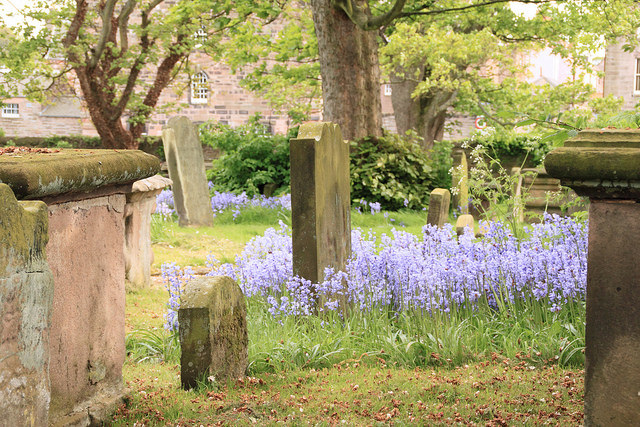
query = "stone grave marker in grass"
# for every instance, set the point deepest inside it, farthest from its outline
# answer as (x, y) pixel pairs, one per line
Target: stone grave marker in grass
(185, 162)
(320, 200)
(603, 165)
(464, 221)
(460, 181)
(26, 299)
(212, 322)
(438, 214)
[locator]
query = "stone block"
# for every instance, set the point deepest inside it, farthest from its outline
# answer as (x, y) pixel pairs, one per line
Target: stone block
(212, 322)
(463, 222)
(460, 181)
(185, 162)
(438, 214)
(26, 297)
(140, 205)
(603, 165)
(320, 200)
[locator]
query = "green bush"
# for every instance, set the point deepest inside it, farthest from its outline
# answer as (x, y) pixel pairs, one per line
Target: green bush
(511, 147)
(251, 157)
(392, 170)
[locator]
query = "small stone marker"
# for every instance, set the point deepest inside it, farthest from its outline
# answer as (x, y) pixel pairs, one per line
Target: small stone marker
(212, 322)
(460, 181)
(186, 169)
(439, 207)
(26, 299)
(464, 221)
(320, 200)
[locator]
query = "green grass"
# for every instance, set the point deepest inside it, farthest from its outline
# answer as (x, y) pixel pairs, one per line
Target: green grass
(498, 391)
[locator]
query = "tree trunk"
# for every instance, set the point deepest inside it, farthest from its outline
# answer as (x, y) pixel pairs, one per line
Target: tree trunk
(426, 114)
(350, 72)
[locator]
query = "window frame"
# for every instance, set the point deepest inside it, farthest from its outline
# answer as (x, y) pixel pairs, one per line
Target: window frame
(11, 110)
(387, 90)
(200, 88)
(636, 76)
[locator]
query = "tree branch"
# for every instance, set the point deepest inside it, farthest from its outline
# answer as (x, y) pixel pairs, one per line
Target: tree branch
(74, 28)
(365, 20)
(123, 24)
(420, 10)
(106, 16)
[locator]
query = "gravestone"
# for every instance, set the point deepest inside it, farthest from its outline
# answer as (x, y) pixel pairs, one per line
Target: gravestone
(603, 165)
(460, 181)
(185, 162)
(320, 200)
(212, 321)
(439, 202)
(26, 298)
(463, 222)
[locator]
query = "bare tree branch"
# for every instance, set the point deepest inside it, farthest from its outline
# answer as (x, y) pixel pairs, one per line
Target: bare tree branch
(363, 19)
(123, 23)
(105, 16)
(77, 22)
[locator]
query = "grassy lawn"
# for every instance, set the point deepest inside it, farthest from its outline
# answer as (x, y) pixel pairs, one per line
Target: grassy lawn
(356, 387)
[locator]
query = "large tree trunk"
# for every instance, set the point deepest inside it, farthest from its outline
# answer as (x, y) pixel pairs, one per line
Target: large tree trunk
(350, 72)
(426, 114)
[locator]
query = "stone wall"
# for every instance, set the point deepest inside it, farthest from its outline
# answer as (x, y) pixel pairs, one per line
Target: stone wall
(26, 294)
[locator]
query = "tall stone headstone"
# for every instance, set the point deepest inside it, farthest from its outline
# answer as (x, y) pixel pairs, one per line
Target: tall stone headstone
(185, 162)
(604, 166)
(212, 322)
(26, 298)
(460, 181)
(320, 200)
(439, 202)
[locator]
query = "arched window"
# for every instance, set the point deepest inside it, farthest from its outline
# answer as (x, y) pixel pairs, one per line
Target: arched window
(199, 88)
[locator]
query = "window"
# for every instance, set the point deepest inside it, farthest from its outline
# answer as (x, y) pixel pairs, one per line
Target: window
(636, 85)
(387, 90)
(11, 110)
(200, 88)
(200, 36)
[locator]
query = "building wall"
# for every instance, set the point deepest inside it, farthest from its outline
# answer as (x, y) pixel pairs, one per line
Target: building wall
(31, 122)
(619, 77)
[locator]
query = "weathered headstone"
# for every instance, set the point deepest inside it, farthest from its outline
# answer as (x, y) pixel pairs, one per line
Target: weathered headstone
(463, 222)
(439, 202)
(460, 181)
(603, 165)
(26, 298)
(140, 205)
(320, 200)
(185, 162)
(212, 321)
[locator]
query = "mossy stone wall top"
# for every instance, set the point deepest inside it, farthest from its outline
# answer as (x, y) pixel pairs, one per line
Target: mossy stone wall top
(32, 175)
(606, 138)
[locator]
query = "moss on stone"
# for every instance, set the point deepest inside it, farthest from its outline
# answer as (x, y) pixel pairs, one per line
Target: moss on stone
(589, 163)
(36, 175)
(23, 231)
(606, 138)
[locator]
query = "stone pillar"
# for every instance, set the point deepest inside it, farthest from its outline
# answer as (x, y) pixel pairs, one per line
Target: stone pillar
(85, 192)
(320, 200)
(26, 297)
(185, 161)
(140, 205)
(212, 321)
(604, 165)
(460, 181)
(439, 201)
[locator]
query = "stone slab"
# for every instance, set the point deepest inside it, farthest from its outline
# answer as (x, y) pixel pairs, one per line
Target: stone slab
(26, 296)
(185, 161)
(439, 201)
(36, 175)
(320, 200)
(463, 222)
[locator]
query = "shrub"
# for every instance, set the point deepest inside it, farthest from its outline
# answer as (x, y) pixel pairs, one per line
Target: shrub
(511, 147)
(251, 157)
(392, 170)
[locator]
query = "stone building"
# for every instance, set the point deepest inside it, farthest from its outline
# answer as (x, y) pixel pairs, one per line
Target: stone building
(622, 74)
